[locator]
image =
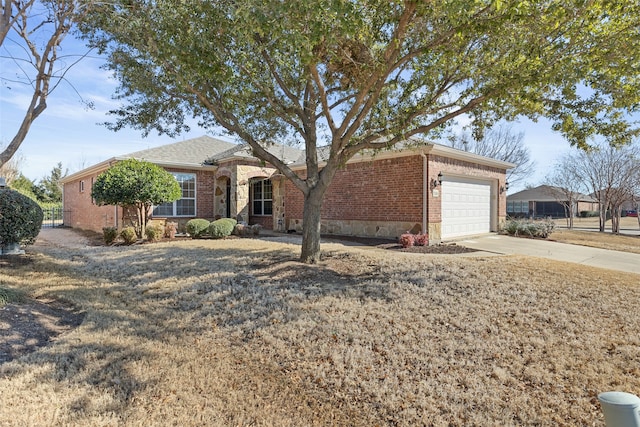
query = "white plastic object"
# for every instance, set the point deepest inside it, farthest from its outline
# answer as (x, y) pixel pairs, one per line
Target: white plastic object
(620, 409)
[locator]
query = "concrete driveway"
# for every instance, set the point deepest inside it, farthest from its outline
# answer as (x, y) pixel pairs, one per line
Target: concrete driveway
(602, 258)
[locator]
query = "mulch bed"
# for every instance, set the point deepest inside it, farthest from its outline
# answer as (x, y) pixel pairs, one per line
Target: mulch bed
(95, 239)
(393, 245)
(445, 249)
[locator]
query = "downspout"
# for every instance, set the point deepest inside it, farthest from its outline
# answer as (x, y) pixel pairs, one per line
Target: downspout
(425, 191)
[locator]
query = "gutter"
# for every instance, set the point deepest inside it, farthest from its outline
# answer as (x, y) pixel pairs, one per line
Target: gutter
(425, 191)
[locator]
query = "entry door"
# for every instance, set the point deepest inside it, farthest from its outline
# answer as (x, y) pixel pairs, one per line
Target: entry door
(466, 207)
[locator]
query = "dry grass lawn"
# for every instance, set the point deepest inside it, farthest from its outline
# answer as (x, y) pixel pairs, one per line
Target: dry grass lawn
(624, 242)
(598, 240)
(236, 333)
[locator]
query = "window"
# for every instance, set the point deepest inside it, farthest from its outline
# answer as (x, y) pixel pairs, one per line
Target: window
(82, 186)
(262, 197)
(186, 206)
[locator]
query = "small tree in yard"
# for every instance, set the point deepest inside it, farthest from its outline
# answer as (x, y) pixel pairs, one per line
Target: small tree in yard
(612, 176)
(353, 75)
(565, 185)
(135, 184)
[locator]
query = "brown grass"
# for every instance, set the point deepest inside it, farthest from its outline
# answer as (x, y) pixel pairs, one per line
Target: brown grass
(235, 332)
(624, 243)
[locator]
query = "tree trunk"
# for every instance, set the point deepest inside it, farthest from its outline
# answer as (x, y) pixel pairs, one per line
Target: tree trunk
(141, 220)
(311, 226)
(616, 213)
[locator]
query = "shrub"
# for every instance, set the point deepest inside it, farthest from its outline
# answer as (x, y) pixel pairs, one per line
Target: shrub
(170, 229)
(109, 234)
(8, 296)
(407, 240)
(540, 229)
(129, 235)
(20, 218)
(222, 227)
(589, 214)
(197, 227)
(154, 232)
(247, 230)
(421, 239)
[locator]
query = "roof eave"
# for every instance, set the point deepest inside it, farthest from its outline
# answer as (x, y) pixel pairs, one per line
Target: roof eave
(98, 167)
(454, 153)
(426, 148)
(176, 165)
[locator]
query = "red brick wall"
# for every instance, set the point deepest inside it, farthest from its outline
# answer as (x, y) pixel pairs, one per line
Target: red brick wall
(265, 221)
(79, 210)
(391, 190)
(379, 190)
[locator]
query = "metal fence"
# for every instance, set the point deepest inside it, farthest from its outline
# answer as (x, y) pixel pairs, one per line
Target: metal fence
(52, 217)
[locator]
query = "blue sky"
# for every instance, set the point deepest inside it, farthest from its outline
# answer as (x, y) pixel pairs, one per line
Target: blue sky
(70, 133)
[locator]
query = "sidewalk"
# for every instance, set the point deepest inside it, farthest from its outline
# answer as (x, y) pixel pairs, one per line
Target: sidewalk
(594, 257)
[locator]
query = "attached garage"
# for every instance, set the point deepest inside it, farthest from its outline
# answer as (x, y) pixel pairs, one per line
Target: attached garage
(466, 207)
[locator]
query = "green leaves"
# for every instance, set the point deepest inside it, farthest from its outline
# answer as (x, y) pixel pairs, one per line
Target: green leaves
(133, 182)
(20, 218)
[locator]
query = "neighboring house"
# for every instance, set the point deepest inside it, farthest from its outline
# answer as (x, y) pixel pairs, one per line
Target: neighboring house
(547, 201)
(447, 192)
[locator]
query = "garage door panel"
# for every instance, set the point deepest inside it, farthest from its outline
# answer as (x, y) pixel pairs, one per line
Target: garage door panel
(466, 207)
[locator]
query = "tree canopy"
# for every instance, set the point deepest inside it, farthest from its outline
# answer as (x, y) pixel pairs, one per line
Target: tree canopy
(136, 184)
(501, 143)
(49, 189)
(368, 74)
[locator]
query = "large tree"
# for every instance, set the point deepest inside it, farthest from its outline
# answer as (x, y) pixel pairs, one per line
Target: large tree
(31, 35)
(135, 184)
(367, 74)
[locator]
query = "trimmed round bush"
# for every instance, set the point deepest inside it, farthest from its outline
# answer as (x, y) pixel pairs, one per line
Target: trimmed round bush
(222, 227)
(129, 235)
(109, 234)
(154, 232)
(197, 227)
(20, 218)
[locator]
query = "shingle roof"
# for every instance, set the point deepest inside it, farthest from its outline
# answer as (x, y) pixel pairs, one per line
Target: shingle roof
(283, 152)
(189, 152)
(545, 193)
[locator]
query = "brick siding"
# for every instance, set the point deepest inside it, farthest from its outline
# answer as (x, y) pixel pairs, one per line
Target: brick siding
(81, 212)
(379, 190)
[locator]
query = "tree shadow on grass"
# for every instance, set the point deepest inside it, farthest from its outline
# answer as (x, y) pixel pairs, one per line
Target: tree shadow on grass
(30, 324)
(234, 285)
(140, 298)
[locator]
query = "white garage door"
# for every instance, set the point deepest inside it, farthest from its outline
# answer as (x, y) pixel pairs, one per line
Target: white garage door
(466, 207)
